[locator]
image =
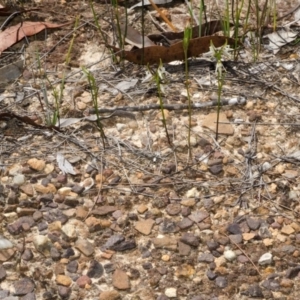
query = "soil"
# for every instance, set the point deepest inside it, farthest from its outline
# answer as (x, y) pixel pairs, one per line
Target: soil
(127, 208)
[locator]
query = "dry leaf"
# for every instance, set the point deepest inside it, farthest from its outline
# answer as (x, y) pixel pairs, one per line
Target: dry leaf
(15, 33)
(154, 54)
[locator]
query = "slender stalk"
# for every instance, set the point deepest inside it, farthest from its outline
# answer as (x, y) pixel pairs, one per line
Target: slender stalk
(186, 41)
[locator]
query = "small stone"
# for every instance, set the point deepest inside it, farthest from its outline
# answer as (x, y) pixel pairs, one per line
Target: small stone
(18, 179)
(211, 275)
(36, 164)
(23, 287)
(95, 270)
(63, 280)
(254, 291)
(42, 244)
(185, 211)
(54, 226)
(83, 280)
(142, 208)
(212, 245)
(185, 223)
(5, 243)
(165, 257)
(220, 261)
(184, 271)
(265, 259)
(84, 247)
(234, 228)
(50, 188)
(242, 259)
(221, 282)
(236, 238)
(78, 189)
(192, 193)
(199, 216)
(173, 209)
(287, 229)
(216, 169)
(292, 272)
(206, 257)
(70, 231)
(183, 249)
(2, 273)
(253, 223)
(110, 295)
(190, 239)
(171, 292)
(144, 227)
(81, 212)
(188, 202)
(29, 296)
(165, 243)
(7, 254)
(120, 280)
(230, 255)
(64, 291)
(168, 226)
(286, 283)
(27, 189)
(104, 210)
(248, 236)
(264, 231)
(268, 242)
(55, 254)
(72, 266)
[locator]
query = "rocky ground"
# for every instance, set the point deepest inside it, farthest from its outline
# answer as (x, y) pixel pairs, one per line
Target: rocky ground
(136, 218)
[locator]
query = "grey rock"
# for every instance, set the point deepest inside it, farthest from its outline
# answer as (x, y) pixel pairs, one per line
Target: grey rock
(206, 257)
(112, 241)
(185, 211)
(253, 224)
(64, 291)
(255, 291)
(168, 226)
(292, 272)
(23, 287)
(4, 294)
(72, 266)
(95, 270)
(211, 275)
(84, 246)
(29, 296)
(199, 215)
(221, 282)
(190, 239)
(236, 238)
(271, 284)
(55, 254)
(185, 223)
(78, 189)
(216, 169)
(173, 209)
(183, 249)
(125, 245)
(109, 267)
(212, 245)
(27, 255)
(68, 253)
(234, 228)
(2, 273)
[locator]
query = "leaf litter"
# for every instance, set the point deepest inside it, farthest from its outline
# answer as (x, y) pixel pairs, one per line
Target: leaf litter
(138, 168)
